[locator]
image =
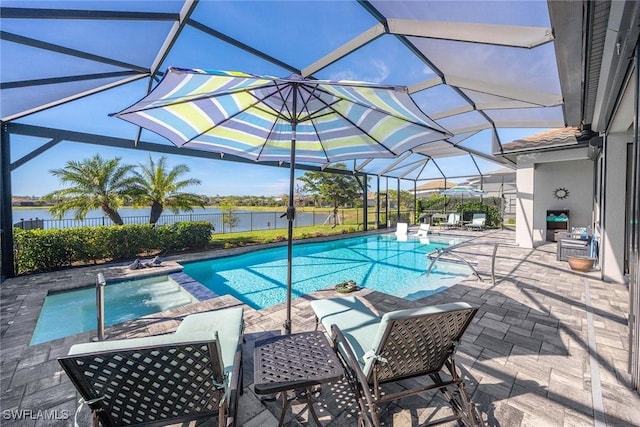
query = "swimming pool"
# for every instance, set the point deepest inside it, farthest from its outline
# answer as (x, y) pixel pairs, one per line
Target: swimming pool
(68, 313)
(377, 262)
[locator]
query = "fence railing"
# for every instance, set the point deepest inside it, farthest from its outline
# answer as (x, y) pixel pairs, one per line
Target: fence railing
(225, 222)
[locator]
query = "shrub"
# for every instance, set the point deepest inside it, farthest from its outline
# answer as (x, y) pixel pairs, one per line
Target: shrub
(42, 250)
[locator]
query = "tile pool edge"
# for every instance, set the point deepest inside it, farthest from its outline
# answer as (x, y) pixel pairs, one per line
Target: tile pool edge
(153, 294)
(193, 287)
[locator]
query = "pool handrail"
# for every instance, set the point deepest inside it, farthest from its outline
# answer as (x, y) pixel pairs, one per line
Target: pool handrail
(100, 284)
(448, 251)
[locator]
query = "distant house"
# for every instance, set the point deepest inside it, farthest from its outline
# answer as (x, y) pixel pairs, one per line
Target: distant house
(26, 201)
(499, 183)
(496, 183)
(372, 200)
(432, 187)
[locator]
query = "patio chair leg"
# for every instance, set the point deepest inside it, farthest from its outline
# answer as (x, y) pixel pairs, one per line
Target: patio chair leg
(222, 416)
(466, 412)
(364, 421)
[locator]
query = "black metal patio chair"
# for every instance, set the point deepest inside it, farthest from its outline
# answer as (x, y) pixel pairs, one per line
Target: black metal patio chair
(415, 344)
(194, 373)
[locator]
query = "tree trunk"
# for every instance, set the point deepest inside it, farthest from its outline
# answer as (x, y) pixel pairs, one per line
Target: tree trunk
(156, 211)
(113, 215)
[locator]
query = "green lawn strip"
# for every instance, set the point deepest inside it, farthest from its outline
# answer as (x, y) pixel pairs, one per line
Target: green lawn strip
(229, 240)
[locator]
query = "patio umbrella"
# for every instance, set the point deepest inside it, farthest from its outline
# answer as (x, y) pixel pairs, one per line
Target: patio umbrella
(462, 191)
(282, 119)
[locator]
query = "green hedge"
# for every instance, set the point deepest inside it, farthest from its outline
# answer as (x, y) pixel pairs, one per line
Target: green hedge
(42, 250)
(494, 218)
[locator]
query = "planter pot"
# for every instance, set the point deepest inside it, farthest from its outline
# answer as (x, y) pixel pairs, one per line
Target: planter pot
(581, 263)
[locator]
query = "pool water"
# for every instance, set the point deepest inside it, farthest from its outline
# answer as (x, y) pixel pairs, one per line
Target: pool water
(73, 312)
(377, 262)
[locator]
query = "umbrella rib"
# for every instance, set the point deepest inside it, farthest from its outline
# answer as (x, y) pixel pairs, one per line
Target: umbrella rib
(306, 107)
(271, 111)
(371, 107)
(279, 114)
(353, 124)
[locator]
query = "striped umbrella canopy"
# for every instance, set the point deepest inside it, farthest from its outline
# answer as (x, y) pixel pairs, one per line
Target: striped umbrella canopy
(463, 190)
(283, 119)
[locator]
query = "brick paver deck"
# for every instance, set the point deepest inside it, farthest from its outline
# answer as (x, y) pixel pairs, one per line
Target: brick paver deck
(548, 347)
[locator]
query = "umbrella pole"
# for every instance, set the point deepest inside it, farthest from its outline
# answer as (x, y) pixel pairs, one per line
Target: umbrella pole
(291, 212)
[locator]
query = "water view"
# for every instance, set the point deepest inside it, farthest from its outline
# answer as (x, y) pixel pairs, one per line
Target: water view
(247, 220)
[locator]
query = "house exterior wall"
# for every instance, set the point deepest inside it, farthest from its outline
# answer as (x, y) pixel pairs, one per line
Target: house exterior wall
(613, 220)
(574, 175)
(537, 176)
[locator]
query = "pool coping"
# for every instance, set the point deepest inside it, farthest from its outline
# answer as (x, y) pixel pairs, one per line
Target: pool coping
(27, 305)
(24, 309)
(197, 290)
(187, 285)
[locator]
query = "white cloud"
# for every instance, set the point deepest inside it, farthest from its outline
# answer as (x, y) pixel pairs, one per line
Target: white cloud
(381, 71)
(376, 72)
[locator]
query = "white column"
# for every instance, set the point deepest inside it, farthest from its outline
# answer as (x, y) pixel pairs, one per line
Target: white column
(524, 202)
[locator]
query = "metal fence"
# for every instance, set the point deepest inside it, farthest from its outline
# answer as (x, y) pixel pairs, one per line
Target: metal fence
(222, 222)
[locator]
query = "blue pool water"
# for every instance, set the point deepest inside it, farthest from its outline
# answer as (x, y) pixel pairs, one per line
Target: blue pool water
(377, 262)
(69, 313)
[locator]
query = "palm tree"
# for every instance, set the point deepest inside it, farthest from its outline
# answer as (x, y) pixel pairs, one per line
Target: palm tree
(96, 183)
(159, 187)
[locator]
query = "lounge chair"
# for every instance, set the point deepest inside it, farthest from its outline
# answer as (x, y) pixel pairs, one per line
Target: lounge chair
(453, 221)
(193, 373)
(402, 231)
(423, 231)
(416, 343)
(478, 222)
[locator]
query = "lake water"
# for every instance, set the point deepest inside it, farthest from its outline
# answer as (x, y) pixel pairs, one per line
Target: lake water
(246, 220)
(43, 213)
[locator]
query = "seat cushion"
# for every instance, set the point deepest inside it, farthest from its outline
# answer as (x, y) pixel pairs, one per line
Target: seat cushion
(225, 326)
(356, 321)
(133, 343)
(226, 322)
(574, 243)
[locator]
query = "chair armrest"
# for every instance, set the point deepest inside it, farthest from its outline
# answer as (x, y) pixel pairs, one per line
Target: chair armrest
(353, 373)
(235, 385)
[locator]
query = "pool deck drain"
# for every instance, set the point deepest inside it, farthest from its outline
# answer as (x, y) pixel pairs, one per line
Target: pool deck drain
(528, 355)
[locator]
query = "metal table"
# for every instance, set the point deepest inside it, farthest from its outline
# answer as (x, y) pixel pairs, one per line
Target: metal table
(295, 363)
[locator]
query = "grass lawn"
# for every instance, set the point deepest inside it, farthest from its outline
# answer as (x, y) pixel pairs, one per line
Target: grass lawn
(230, 240)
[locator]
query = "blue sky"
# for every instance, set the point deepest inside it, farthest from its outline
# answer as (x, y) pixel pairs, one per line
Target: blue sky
(384, 60)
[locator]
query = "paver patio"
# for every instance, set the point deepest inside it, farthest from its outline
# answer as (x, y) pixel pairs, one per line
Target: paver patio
(548, 347)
